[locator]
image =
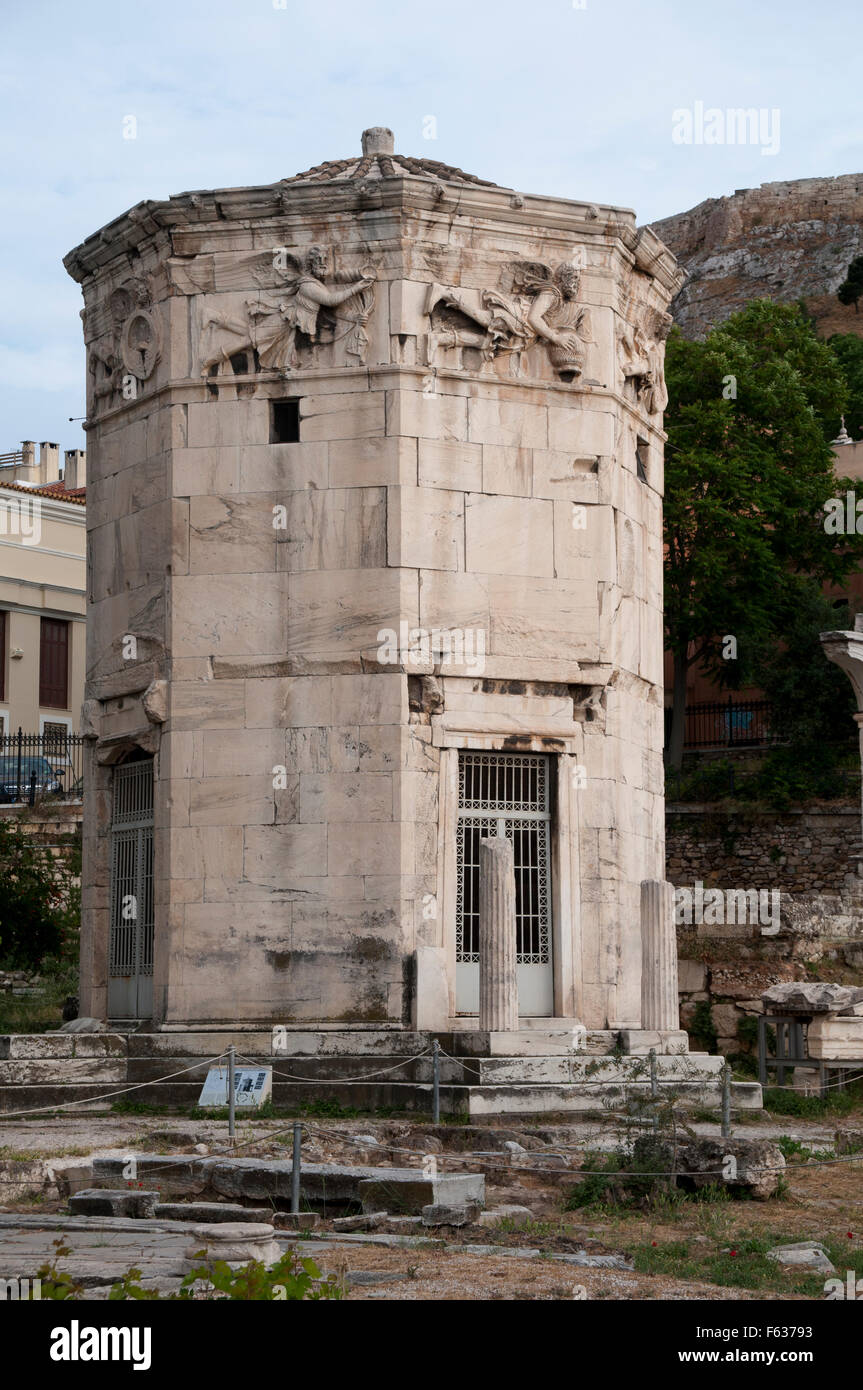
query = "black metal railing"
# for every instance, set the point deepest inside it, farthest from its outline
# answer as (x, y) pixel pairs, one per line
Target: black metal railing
(729, 724)
(41, 767)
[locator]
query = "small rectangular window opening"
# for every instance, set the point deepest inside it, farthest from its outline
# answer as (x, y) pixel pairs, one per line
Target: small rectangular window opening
(641, 449)
(285, 422)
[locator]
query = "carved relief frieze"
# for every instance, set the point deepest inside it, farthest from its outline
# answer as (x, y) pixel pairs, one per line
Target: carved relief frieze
(641, 359)
(534, 305)
(299, 308)
(125, 345)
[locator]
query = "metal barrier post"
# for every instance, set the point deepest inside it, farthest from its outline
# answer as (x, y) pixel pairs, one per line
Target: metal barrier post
(295, 1171)
(231, 1096)
(436, 1082)
(726, 1102)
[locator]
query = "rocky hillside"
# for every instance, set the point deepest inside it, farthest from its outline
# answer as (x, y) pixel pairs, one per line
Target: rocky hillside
(784, 241)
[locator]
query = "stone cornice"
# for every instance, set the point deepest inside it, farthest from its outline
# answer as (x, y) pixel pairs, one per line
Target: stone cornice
(216, 211)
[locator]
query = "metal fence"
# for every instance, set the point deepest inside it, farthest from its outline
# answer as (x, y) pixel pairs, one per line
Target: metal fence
(729, 724)
(41, 767)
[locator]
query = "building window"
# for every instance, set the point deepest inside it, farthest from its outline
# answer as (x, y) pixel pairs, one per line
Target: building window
(641, 451)
(54, 664)
(285, 422)
(509, 794)
(2, 654)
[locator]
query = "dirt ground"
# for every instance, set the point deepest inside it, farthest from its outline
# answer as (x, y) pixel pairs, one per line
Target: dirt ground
(680, 1248)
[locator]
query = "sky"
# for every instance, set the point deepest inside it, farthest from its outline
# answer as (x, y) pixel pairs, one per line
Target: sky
(574, 98)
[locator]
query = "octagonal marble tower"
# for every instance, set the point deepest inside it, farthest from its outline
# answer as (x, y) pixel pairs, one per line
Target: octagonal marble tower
(374, 504)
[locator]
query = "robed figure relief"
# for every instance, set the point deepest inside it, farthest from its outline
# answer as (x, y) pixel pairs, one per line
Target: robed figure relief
(541, 306)
(273, 324)
(641, 354)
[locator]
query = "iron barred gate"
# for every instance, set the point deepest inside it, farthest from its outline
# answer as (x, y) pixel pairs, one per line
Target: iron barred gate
(130, 968)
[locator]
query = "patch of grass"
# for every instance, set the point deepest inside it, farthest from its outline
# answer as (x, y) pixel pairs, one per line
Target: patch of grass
(40, 1013)
(839, 1101)
(135, 1107)
(795, 1152)
(743, 1265)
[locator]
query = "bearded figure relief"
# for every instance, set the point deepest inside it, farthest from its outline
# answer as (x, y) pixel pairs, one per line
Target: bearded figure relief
(541, 306)
(274, 323)
(641, 355)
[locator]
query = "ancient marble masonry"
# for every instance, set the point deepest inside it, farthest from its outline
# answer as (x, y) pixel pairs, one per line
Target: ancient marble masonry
(374, 503)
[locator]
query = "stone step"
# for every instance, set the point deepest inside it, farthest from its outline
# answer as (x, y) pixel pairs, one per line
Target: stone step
(27, 1072)
(36, 1046)
(323, 1069)
(523, 1070)
(574, 1099)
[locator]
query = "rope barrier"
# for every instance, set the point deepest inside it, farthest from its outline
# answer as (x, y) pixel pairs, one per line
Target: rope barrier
(94, 1100)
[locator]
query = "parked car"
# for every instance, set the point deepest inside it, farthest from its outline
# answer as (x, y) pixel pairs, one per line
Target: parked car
(48, 781)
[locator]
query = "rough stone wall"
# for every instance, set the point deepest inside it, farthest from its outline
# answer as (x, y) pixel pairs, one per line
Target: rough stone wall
(782, 241)
(805, 855)
(799, 852)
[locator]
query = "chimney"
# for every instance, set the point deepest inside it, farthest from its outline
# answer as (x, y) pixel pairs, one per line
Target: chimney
(27, 471)
(75, 472)
(49, 463)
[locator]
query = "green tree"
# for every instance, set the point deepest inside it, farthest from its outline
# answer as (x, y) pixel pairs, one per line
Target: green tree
(748, 471)
(851, 288)
(39, 901)
(848, 348)
(813, 698)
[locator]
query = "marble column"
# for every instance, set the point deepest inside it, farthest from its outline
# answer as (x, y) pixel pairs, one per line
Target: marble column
(659, 1002)
(498, 984)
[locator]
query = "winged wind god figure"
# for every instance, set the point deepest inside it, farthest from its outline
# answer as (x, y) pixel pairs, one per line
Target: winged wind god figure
(272, 325)
(540, 307)
(641, 354)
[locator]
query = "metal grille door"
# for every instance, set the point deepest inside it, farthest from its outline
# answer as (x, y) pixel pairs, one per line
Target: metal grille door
(509, 794)
(130, 969)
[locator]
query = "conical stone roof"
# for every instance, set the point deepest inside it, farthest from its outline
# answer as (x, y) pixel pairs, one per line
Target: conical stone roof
(378, 161)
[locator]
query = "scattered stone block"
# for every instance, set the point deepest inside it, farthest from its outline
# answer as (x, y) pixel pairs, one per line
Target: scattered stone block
(100, 1201)
(812, 997)
(403, 1225)
(808, 1254)
(517, 1215)
(296, 1221)
(753, 1165)
(171, 1138)
(848, 1141)
(369, 1221)
(439, 1214)
(836, 1038)
(407, 1192)
(209, 1212)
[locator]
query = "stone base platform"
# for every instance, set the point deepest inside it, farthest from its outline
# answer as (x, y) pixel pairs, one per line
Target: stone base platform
(535, 1071)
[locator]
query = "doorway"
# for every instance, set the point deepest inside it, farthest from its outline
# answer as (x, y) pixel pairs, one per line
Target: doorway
(130, 967)
(509, 794)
